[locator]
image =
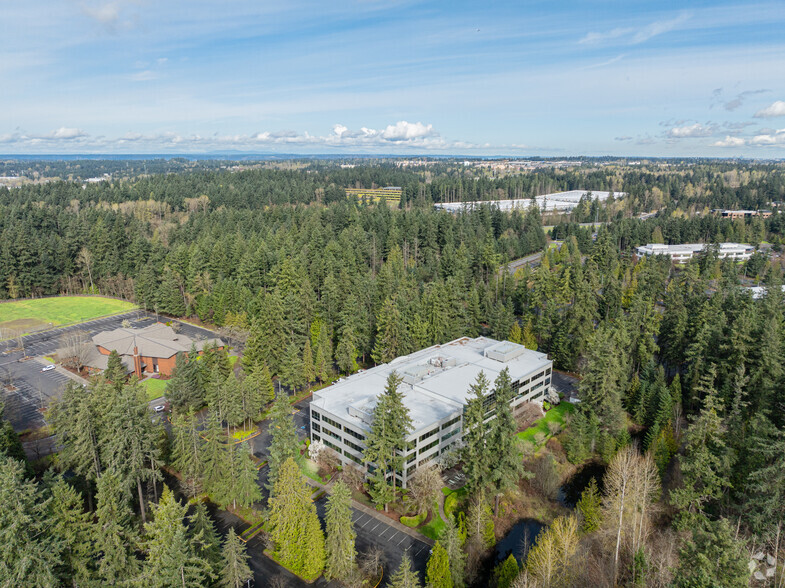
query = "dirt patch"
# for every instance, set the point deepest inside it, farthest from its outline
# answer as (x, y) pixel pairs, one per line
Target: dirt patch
(25, 325)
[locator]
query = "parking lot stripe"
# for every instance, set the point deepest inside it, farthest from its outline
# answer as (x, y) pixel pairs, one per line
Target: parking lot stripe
(402, 540)
(374, 527)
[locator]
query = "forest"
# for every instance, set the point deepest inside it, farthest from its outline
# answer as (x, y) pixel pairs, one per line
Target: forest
(681, 378)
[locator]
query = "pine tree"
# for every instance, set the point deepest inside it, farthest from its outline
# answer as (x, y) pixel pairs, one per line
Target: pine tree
(405, 576)
(437, 574)
(178, 387)
(295, 528)
(115, 371)
(713, 556)
(309, 371)
(453, 544)
(292, 367)
(73, 530)
(508, 466)
(590, 508)
(386, 442)
(245, 489)
(346, 353)
(171, 560)
(389, 342)
(204, 538)
(476, 465)
(284, 443)
(115, 540)
(235, 572)
(213, 456)
(186, 452)
(75, 419)
(505, 573)
(324, 355)
(528, 338)
(29, 555)
(340, 533)
(516, 335)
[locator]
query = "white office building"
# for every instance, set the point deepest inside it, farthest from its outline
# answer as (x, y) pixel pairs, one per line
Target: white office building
(554, 202)
(435, 387)
(683, 253)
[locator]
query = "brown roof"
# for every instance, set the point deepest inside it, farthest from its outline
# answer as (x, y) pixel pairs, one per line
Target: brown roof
(157, 340)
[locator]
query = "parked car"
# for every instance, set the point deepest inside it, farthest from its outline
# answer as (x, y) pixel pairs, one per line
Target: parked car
(159, 408)
(46, 368)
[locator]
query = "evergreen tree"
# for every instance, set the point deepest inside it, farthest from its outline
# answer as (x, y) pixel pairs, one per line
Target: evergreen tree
(437, 574)
(76, 420)
(292, 367)
(115, 540)
(214, 463)
(505, 573)
(476, 466)
(115, 371)
(508, 466)
(171, 561)
(386, 442)
(346, 353)
(284, 443)
(73, 530)
(590, 508)
(713, 556)
(204, 538)
(324, 356)
(340, 533)
(235, 572)
(294, 525)
(405, 576)
(480, 525)
(186, 452)
(29, 554)
(453, 544)
(390, 337)
(309, 371)
(245, 489)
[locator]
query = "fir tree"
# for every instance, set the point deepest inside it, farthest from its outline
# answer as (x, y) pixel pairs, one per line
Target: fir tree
(437, 573)
(213, 456)
(386, 442)
(294, 525)
(389, 333)
(453, 544)
(171, 560)
(590, 508)
(405, 576)
(346, 353)
(245, 489)
(204, 538)
(115, 540)
(235, 572)
(309, 371)
(505, 573)
(292, 367)
(284, 443)
(508, 466)
(73, 530)
(340, 533)
(476, 465)
(186, 452)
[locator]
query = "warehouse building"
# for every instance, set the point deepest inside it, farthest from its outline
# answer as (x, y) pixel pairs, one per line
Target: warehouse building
(683, 253)
(435, 386)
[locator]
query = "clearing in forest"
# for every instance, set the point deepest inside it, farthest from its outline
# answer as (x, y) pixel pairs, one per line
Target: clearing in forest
(36, 313)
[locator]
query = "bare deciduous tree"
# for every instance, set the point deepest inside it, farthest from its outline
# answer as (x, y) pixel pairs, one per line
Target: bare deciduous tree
(424, 488)
(75, 348)
(551, 561)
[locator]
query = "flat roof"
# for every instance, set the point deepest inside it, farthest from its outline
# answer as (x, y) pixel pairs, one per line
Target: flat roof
(436, 380)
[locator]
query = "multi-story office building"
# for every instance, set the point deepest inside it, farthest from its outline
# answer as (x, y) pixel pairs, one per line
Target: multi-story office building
(683, 253)
(435, 387)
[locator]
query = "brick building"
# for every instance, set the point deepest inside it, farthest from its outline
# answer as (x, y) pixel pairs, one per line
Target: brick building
(151, 350)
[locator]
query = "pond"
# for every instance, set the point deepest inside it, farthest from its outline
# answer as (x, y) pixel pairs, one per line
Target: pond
(518, 540)
(571, 490)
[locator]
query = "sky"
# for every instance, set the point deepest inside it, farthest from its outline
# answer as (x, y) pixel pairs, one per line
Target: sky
(539, 78)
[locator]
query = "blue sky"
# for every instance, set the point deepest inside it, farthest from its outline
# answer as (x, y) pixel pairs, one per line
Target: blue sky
(373, 76)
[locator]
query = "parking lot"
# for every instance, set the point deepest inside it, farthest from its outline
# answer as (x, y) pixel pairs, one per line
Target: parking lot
(34, 388)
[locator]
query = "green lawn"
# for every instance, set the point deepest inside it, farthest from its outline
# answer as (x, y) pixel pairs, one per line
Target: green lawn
(155, 388)
(310, 469)
(433, 529)
(61, 310)
(557, 414)
(453, 498)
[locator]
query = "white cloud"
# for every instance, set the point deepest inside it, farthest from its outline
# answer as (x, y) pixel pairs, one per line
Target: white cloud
(729, 141)
(690, 131)
(636, 35)
(775, 109)
(66, 134)
(770, 138)
(406, 131)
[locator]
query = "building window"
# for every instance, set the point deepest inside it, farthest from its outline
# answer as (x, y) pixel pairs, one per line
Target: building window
(332, 446)
(353, 457)
(354, 434)
(450, 434)
(548, 372)
(316, 427)
(451, 422)
(329, 421)
(427, 447)
(316, 416)
(354, 446)
(316, 437)
(428, 434)
(331, 434)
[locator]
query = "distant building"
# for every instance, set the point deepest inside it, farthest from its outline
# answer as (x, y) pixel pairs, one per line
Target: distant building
(391, 194)
(435, 387)
(737, 214)
(683, 253)
(555, 202)
(151, 350)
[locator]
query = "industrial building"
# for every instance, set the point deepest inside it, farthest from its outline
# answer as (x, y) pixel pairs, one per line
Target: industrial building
(685, 252)
(555, 202)
(435, 387)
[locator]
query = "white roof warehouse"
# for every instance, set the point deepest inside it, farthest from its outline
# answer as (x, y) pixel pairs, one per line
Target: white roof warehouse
(435, 387)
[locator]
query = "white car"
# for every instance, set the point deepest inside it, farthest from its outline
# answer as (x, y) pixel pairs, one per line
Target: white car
(159, 408)
(46, 368)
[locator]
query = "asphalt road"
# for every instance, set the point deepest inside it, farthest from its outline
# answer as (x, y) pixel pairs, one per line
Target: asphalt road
(35, 388)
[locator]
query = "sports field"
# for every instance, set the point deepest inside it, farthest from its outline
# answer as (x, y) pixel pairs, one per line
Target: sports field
(62, 310)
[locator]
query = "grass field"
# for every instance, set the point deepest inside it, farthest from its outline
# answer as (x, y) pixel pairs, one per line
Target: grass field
(557, 414)
(61, 310)
(155, 388)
